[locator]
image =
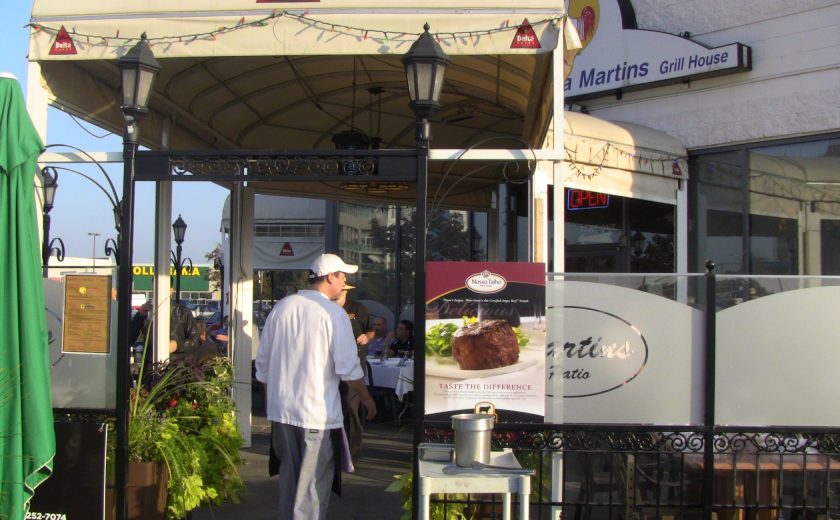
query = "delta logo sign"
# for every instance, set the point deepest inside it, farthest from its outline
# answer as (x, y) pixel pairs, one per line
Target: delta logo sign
(287, 250)
(525, 37)
(62, 45)
(616, 56)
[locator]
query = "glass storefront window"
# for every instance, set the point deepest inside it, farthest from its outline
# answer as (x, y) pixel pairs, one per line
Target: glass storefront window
(365, 238)
(611, 234)
(718, 201)
(784, 198)
(381, 239)
(650, 236)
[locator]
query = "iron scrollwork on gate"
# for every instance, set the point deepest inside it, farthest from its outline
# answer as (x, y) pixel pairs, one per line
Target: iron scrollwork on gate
(586, 440)
(346, 166)
(273, 166)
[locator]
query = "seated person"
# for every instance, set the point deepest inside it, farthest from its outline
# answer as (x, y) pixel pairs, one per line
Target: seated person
(183, 331)
(381, 339)
(404, 341)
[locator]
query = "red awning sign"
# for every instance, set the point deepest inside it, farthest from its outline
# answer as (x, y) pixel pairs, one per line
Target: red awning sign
(287, 250)
(525, 37)
(63, 44)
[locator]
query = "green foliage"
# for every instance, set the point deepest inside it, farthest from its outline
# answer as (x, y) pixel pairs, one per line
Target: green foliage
(439, 339)
(214, 276)
(437, 510)
(186, 420)
(447, 236)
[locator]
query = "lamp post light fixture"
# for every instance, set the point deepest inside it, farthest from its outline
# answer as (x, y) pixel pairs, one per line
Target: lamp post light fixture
(138, 70)
(179, 228)
(56, 245)
(425, 64)
(51, 172)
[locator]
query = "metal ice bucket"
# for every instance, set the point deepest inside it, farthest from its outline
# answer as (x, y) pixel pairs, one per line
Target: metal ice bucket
(472, 435)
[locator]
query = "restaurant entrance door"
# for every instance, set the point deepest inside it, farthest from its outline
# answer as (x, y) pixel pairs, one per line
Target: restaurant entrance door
(611, 234)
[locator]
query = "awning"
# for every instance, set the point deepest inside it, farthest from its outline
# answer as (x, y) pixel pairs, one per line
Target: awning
(99, 29)
(251, 74)
(623, 159)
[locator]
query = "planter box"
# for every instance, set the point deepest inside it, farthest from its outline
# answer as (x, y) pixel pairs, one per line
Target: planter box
(146, 490)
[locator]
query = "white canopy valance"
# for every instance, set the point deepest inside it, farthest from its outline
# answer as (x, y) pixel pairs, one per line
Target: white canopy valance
(101, 29)
(622, 159)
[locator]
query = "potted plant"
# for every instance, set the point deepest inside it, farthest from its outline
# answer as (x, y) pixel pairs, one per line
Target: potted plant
(182, 435)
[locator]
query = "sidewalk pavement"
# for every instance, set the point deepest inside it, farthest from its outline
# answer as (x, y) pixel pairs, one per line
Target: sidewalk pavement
(386, 451)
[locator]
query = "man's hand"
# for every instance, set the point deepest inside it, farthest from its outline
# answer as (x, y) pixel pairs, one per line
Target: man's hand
(369, 404)
(365, 399)
(362, 340)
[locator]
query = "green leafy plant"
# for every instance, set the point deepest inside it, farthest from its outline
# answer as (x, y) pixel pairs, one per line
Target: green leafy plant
(437, 510)
(186, 421)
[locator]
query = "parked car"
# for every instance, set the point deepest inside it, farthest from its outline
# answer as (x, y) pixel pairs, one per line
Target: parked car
(214, 321)
(189, 305)
(206, 310)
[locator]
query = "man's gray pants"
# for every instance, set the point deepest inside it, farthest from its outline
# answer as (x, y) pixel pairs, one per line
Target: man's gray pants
(307, 465)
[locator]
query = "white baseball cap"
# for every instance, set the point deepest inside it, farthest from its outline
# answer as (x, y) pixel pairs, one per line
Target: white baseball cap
(330, 263)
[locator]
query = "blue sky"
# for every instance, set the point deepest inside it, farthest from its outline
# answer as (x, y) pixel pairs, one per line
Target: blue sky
(80, 208)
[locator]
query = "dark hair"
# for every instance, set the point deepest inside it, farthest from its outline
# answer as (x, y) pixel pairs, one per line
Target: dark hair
(408, 324)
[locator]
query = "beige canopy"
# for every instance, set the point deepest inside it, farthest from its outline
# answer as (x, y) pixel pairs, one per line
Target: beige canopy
(252, 74)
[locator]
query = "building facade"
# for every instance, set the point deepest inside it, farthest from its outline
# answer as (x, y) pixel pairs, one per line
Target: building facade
(762, 139)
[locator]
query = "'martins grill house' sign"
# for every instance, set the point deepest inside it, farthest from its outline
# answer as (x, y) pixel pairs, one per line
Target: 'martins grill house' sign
(617, 56)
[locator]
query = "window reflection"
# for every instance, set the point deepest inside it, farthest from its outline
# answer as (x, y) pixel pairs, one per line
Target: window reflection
(785, 197)
(381, 240)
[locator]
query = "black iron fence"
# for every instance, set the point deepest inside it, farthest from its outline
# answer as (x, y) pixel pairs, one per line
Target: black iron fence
(591, 472)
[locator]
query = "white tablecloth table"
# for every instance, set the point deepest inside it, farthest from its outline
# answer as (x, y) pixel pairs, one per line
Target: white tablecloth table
(389, 374)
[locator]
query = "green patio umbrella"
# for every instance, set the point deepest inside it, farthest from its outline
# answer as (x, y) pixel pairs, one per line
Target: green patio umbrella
(27, 437)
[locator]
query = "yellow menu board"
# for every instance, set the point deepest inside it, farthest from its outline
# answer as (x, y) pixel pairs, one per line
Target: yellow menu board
(87, 314)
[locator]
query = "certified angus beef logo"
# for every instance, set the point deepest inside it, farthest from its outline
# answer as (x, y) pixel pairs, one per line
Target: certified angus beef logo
(486, 282)
(600, 352)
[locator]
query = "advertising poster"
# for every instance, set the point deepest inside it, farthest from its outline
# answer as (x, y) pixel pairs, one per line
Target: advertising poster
(485, 339)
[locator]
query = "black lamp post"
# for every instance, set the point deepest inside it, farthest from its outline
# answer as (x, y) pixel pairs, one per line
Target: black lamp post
(138, 69)
(51, 172)
(50, 175)
(179, 228)
(57, 245)
(425, 64)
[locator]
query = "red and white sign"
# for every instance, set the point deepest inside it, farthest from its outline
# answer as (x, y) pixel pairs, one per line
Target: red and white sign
(63, 44)
(525, 37)
(287, 250)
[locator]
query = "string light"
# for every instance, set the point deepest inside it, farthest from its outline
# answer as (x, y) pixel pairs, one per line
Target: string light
(576, 163)
(473, 35)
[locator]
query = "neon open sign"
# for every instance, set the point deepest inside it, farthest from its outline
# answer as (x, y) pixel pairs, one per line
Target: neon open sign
(582, 199)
